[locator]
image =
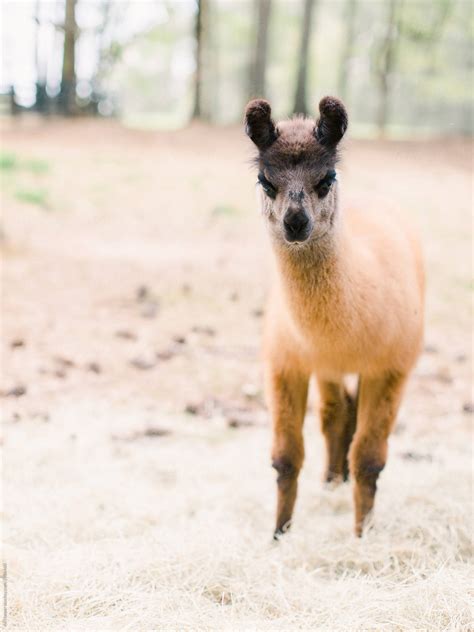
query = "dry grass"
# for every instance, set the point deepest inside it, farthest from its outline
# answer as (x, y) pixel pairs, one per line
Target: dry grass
(110, 527)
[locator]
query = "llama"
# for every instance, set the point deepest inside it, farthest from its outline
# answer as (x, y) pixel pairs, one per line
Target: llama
(347, 298)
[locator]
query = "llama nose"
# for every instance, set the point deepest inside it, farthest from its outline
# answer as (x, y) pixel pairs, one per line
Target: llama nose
(295, 224)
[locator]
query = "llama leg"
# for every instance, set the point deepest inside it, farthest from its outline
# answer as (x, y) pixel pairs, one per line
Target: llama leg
(379, 400)
(351, 424)
(288, 393)
(338, 421)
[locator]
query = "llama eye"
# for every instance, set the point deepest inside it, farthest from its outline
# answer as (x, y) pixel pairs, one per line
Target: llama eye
(267, 186)
(323, 189)
(323, 186)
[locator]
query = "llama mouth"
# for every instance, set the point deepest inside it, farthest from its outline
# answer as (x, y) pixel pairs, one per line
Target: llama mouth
(298, 238)
(297, 242)
(306, 241)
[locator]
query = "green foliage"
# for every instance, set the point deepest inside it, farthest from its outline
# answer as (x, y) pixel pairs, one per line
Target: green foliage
(8, 161)
(224, 210)
(18, 183)
(36, 166)
(38, 197)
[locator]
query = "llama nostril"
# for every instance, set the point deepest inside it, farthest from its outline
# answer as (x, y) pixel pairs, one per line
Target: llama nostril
(295, 223)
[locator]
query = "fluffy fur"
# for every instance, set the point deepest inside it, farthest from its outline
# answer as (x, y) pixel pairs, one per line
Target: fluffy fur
(346, 299)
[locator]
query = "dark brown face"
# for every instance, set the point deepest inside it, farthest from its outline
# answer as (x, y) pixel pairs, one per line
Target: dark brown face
(297, 177)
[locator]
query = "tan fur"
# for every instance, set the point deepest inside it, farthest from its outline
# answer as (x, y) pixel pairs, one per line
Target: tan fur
(349, 300)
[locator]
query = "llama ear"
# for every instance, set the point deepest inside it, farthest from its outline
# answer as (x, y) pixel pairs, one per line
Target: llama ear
(332, 122)
(259, 125)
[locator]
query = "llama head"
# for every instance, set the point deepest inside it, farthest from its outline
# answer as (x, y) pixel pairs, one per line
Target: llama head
(296, 169)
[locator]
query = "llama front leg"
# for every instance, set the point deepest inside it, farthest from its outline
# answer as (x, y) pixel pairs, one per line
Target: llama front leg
(379, 399)
(287, 393)
(338, 421)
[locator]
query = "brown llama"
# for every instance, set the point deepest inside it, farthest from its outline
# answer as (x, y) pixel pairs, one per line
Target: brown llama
(347, 298)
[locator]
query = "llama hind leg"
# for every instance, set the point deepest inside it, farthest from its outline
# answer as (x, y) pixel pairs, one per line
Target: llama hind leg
(287, 391)
(338, 421)
(379, 400)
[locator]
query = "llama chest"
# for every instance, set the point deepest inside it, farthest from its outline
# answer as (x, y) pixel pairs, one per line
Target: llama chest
(339, 340)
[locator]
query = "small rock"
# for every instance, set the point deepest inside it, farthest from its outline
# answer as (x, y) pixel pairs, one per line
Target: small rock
(233, 297)
(204, 329)
(443, 374)
(468, 407)
(40, 415)
(180, 340)
(186, 288)
(142, 293)
(94, 367)
(257, 313)
(166, 354)
(125, 334)
(429, 348)
(150, 310)
(238, 422)
(16, 391)
(192, 409)
(61, 373)
(150, 431)
(154, 431)
(461, 358)
(65, 362)
(416, 456)
(142, 363)
(17, 343)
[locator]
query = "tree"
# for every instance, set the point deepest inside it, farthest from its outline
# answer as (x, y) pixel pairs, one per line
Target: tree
(385, 63)
(302, 79)
(347, 48)
(426, 29)
(198, 77)
(259, 64)
(41, 98)
(67, 95)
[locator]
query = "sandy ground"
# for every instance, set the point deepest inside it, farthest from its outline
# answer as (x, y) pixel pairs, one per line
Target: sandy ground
(138, 492)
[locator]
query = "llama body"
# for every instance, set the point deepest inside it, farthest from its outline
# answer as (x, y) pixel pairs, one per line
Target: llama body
(354, 309)
(346, 297)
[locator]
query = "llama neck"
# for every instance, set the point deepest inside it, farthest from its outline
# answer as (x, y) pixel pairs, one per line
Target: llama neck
(312, 278)
(313, 270)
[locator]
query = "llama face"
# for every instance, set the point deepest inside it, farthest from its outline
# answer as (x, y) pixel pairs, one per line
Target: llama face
(298, 185)
(297, 177)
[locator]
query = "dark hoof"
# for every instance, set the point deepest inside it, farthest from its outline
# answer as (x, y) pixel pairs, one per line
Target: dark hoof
(337, 477)
(277, 534)
(279, 531)
(333, 479)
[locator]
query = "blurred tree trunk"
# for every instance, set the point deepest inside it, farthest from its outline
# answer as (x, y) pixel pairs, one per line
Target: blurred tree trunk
(302, 80)
(348, 47)
(385, 66)
(67, 95)
(445, 9)
(198, 77)
(14, 109)
(259, 65)
(212, 63)
(41, 98)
